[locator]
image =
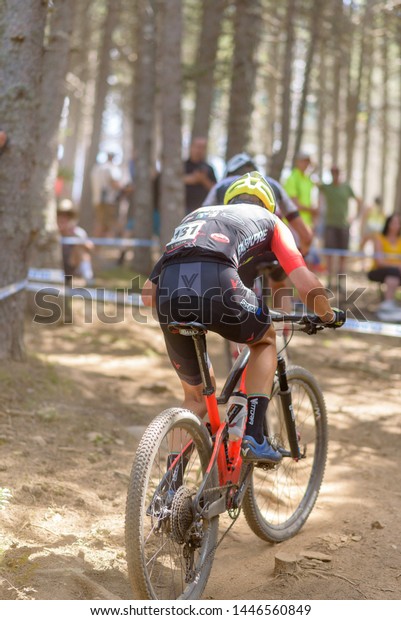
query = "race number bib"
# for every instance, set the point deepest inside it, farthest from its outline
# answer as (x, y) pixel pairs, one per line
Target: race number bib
(185, 234)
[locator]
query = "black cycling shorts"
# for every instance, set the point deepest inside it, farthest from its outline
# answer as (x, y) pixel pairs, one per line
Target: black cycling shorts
(212, 294)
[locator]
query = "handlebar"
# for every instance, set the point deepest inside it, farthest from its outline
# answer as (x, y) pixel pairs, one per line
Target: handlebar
(308, 323)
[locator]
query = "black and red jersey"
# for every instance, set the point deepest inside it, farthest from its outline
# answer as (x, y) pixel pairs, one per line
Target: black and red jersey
(233, 234)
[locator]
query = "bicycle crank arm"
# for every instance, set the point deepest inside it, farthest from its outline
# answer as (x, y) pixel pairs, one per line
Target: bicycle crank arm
(239, 496)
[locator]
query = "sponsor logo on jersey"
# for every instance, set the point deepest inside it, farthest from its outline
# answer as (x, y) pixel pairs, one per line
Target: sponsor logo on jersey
(220, 237)
(249, 307)
(188, 281)
(249, 242)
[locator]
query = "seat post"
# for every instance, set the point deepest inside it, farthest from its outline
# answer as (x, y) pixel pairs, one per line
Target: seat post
(200, 348)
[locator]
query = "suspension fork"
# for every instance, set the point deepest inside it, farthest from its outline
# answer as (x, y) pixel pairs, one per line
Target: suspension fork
(288, 410)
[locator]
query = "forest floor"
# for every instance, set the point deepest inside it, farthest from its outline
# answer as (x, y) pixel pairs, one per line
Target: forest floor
(71, 417)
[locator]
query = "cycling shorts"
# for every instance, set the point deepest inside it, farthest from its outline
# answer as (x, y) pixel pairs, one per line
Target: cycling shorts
(212, 294)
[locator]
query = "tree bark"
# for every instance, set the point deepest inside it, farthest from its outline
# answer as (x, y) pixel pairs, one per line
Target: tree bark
(397, 196)
(385, 110)
(22, 27)
(78, 72)
(205, 65)
(315, 28)
(338, 59)
(368, 123)
(101, 89)
(322, 114)
(144, 114)
(247, 31)
(354, 94)
(46, 251)
(172, 185)
(278, 158)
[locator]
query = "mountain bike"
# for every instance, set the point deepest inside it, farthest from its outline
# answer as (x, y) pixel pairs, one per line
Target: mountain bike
(187, 473)
(261, 287)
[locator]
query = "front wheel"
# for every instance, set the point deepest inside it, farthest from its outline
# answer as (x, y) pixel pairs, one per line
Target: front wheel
(278, 501)
(170, 546)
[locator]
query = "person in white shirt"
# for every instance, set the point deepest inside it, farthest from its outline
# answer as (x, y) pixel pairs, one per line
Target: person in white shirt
(106, 187)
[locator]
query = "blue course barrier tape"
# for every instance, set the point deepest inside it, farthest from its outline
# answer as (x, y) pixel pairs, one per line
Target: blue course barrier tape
(117, 243)
(11, 289)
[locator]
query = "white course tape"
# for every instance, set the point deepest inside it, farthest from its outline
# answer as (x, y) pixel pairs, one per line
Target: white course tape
(11, 289)
(350, 253)
(46, 275)
(115, 243)
(92, 294)
(372, 327)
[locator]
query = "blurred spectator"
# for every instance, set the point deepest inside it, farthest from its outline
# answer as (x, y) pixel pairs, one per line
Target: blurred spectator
(386, 269)
(3, 140)
(76, 258)
(199, 176)
(299, 187)
(373, 220)
(337, 221)
(286, 209)
(106, 191)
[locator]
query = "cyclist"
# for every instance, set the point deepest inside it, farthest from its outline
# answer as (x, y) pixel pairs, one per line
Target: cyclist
(285, 209)
(197, 279)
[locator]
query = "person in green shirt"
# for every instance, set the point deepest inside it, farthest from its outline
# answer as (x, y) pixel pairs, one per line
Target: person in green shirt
(299, 187)
(336, 234)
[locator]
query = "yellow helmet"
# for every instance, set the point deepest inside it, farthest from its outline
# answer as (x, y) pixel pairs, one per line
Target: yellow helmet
(255, 184)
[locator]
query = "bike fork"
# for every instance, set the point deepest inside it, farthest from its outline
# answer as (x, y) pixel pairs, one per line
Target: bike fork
(288, 410)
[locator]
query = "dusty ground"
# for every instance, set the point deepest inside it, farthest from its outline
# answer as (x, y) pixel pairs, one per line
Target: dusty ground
(72, 415)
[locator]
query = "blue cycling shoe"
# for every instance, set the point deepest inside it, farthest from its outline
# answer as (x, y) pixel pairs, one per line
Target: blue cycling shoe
(255, 452)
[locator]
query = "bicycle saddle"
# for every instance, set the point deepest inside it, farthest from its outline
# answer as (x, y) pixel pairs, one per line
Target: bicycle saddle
(187, 329)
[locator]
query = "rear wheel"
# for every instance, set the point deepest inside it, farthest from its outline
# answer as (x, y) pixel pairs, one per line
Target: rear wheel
(170, 547)
(278, 501)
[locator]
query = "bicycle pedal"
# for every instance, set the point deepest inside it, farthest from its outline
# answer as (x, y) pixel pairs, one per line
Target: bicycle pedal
(265, 466)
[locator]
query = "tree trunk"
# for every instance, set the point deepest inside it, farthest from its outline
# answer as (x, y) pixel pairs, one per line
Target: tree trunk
(322, 114)
(248, 20)
(279, 156)
(22, 27)
(172, 186)
(46, 251)
(144, 114)
(354, 93)
(205, 65)
(271, 82)
(368, 123)
(397, 197)
(101, 89)
(338, 60)
(315, 28)
(79, 77)
(385, 110)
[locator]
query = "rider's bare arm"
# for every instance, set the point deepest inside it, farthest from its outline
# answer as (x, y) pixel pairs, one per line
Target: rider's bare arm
(304, 233)
(312, 293)
(309, 287)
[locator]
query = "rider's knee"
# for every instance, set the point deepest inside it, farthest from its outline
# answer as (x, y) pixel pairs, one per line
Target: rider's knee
(268, 338)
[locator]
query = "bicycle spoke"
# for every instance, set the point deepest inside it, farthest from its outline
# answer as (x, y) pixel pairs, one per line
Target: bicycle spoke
(280, 500)
(161, 522)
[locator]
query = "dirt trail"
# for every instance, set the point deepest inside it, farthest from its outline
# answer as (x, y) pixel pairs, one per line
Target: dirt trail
(72, 415)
